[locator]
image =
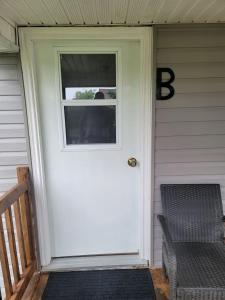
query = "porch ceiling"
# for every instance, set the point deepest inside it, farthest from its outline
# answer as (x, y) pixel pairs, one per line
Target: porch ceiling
(106, 12)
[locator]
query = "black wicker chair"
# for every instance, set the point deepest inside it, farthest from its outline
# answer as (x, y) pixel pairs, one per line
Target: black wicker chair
(193, 249)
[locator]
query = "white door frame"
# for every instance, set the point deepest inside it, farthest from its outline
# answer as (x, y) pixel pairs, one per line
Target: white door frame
(27, 38)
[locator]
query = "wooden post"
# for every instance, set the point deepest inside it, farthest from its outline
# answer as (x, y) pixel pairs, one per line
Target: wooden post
(22, 175)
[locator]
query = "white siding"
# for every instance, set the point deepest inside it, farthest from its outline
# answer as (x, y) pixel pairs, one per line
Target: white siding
(190, 127)
(12, 129)
(13, 150)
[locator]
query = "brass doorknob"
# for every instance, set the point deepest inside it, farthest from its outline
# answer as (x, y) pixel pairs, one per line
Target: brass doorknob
(132, 162)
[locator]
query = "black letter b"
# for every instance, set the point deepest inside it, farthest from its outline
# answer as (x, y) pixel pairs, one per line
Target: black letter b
(166, 84)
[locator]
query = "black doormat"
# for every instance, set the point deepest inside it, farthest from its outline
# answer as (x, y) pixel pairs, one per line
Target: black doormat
(100, 285)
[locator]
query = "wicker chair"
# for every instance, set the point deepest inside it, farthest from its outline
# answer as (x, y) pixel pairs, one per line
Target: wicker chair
(193, 249)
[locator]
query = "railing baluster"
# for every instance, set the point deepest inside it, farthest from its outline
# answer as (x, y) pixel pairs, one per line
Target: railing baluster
(20, 235)
(5, 263)
(12, 245)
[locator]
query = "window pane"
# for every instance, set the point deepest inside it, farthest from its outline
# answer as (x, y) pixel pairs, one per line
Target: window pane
(90, 124)
(88, 76)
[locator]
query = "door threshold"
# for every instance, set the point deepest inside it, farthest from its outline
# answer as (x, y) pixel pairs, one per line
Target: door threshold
(95, 263)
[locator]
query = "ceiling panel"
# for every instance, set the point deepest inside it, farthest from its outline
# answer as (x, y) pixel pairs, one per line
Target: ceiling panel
(135, 11)
(56, 10)
(195, 10)
(41, 10)
(179, 11)
(23, 10)
(10, 14)
(205, 13)
(72, 10)
(157, 13)
(218, 14)
(103, 11)
(165, 10)
(118, 9)
(151, 11)
(106, 12)
(89, 11)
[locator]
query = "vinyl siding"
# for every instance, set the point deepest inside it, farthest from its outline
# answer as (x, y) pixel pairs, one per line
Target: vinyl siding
(190, 127)
(13, 150)
(13, 141)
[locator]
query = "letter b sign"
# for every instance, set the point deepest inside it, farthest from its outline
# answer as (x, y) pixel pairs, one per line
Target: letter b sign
(160, 84)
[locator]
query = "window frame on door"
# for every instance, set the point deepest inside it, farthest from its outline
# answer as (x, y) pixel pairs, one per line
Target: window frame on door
(106, 102)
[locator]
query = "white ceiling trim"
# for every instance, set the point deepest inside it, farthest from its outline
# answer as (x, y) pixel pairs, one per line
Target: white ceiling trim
(111, 12)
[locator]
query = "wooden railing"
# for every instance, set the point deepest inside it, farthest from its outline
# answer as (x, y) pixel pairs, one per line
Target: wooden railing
(17, 209)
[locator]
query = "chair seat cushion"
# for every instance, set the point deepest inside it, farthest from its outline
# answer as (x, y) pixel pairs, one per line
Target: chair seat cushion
(200, 265)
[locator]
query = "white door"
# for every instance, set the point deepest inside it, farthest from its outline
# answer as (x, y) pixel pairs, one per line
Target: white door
(91, 116)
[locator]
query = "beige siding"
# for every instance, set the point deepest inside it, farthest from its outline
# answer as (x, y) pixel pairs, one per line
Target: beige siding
(13, 141)
(13, 150)
(190, 127)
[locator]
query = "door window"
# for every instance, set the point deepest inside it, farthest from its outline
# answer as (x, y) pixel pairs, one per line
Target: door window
(88, 76)
(90, 124)
(89, 99)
